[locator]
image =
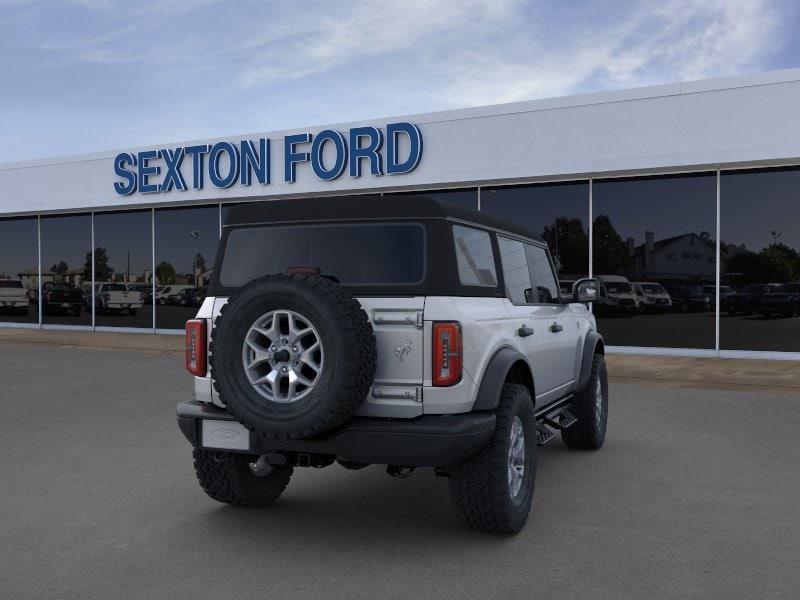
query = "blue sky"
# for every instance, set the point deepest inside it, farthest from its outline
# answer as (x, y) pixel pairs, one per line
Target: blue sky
(86, 75)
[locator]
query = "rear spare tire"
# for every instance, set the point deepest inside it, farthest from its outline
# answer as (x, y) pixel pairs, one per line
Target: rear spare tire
(292, 355)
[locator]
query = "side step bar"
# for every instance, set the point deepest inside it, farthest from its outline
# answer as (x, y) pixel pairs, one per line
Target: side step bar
(555, 416)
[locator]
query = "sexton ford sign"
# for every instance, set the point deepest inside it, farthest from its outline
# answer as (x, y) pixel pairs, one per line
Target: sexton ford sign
(225, 164)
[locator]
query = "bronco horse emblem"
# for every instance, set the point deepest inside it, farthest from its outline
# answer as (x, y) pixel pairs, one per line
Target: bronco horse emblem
(402, 351)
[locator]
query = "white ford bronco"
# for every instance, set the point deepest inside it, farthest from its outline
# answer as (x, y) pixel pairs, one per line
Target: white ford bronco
(405, 332)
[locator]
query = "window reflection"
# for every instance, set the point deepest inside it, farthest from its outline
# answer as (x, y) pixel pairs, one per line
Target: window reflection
(66, 269)
(760, 267)
(123, 269)
(19, 270)
(186, 244)
(654, 253)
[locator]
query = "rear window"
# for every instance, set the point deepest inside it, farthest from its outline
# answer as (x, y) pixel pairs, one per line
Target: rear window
(10, 284)
(354, 254)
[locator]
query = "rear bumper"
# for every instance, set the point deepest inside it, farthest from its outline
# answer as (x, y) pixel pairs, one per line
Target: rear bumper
(426, 441)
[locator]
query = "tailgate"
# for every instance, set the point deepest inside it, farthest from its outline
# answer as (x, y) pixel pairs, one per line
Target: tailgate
(398, 326)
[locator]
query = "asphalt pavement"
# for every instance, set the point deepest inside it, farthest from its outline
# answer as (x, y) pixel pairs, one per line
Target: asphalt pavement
(693, 496)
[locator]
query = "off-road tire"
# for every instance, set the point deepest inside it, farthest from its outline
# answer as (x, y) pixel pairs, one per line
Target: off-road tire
(226, 477)
(589, 432)
(349, 362)
(479, 489)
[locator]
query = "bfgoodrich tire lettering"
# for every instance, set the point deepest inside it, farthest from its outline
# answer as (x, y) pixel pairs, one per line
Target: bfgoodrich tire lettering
(590, 407)
(227, 477)
(479, 487)
(344, 332)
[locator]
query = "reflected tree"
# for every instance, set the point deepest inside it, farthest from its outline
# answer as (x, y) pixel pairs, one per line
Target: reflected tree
(777, 263)
(610, 252)
(102, 270)
(569, 243)
(60, 268)
(165, 273)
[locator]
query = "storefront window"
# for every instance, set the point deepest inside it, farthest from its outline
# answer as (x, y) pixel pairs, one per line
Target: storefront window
(557, 212)
(760, 260)
(66, 269)
(654, 252)
(123, 268)
(186, 244)
(19, 270)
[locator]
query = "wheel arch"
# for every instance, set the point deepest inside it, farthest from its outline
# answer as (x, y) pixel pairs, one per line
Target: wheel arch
(593, 344)
(507, 365)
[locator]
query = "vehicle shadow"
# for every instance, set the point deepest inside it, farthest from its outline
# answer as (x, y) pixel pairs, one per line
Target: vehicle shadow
(353, 507)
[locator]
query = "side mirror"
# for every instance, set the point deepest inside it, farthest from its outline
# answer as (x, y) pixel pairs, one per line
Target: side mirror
(585, 290)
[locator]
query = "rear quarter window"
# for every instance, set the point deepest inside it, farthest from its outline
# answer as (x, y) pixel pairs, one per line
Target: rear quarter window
(474, 257)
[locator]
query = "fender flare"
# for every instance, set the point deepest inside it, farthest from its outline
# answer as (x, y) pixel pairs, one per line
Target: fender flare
(494, 376)
(590, 345)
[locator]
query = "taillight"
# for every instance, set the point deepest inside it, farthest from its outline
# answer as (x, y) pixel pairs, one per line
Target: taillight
(447, 353)
(196, 347)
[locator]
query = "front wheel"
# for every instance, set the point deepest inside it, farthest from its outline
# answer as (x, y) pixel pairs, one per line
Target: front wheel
(493, 490)
(590, 408)
(240, 479)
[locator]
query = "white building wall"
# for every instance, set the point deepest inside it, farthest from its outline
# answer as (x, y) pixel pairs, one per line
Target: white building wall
(689, 126)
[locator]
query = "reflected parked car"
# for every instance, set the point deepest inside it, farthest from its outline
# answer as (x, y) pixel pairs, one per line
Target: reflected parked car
(198, 296)
(62, 297)
(13, 296)
(652, 297)
(182, 297)
(748, 300)
(784, 302)
(690, 298)
(725, 291)
(616, 296)
(163, 293)
(116, 298)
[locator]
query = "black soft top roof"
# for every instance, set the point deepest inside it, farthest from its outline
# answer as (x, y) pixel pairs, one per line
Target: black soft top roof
(365, 208)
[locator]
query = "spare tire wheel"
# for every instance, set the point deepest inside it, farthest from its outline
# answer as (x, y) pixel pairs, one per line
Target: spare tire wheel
(292, 355)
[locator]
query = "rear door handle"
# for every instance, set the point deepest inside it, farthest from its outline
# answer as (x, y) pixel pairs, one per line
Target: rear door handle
(556, 327)
(525, 331)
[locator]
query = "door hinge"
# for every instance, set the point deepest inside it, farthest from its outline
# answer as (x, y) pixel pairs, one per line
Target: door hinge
(419, 394)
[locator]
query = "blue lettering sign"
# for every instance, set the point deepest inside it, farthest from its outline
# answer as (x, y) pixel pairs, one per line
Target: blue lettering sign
(228, 163)
(393, 131)
(128, 184)
(233, 164)
(340, 149)
(370, 151)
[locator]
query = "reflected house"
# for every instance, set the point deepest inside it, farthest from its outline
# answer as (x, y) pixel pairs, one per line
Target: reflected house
(686, 258)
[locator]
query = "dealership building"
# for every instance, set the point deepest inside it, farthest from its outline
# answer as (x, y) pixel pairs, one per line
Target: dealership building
(684, 198)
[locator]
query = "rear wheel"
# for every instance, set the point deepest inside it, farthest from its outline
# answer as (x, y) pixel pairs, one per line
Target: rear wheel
(240, 479)
(590, 407)
(493, 490)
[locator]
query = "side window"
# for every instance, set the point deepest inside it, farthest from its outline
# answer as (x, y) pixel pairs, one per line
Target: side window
(542, 273)
(474, 257)
(515, 271)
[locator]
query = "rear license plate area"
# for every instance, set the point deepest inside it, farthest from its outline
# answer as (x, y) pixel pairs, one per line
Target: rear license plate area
(225, 435)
